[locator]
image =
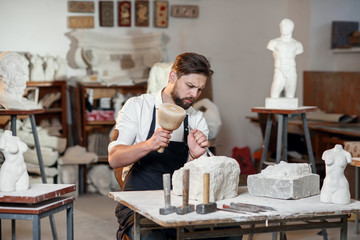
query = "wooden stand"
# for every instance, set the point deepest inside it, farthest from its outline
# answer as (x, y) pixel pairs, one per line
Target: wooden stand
(40, 201)
(282, 132)
(31, 113)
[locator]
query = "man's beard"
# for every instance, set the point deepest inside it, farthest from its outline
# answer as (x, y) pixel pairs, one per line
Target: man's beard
(181, 101)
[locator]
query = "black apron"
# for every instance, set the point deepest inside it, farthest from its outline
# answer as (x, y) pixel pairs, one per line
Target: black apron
(146, 173)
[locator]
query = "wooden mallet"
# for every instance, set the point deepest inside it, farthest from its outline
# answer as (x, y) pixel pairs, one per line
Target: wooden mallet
(170, 117)
(185, 208)
(206, 207)
(168, 208)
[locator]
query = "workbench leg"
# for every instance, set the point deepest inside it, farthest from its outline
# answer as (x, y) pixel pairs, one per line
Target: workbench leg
(36, 227)
(343, 229)
(279, 136)
(180, 233)
(357, 198)
(13, 229)
(0, 230)
(70, 222)
(136, 227)
(285, 139)
(308, 142)
(41, 166)
(266, 140)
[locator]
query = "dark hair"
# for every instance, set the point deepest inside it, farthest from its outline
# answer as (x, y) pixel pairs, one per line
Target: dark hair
(189, 62)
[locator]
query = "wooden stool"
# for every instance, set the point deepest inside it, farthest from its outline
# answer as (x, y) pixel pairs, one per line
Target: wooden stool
(282, 132)
(39, 201)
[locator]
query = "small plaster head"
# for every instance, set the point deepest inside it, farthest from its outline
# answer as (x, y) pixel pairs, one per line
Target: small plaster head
(286, 26)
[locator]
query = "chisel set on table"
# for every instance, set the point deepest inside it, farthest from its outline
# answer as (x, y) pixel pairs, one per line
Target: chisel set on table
(205, 207)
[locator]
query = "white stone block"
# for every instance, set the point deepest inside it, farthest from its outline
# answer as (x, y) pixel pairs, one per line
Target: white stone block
(224, 178)
(282, 103)
(285, 181)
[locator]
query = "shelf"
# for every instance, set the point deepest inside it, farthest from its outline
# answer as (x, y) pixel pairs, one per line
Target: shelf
(346, 50)
(100, 122)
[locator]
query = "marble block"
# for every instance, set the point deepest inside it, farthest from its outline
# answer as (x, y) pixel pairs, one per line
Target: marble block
(224, 178)
(285, 181)
(282, 103)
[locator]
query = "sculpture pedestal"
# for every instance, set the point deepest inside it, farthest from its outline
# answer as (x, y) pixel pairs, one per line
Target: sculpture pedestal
(281, 103)
(282, 132)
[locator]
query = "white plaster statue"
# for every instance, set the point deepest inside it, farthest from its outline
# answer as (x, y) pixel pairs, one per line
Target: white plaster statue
(13, 172)
(37, 71)
(284, 49)
(49, 68)
(13, 82)
(61, 72)
(335, 188)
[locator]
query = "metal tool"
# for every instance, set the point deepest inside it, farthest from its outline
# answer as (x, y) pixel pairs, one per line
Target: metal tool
(206, 148)
(206, 207)
(168, 208)
(185, 208)
(244, 207)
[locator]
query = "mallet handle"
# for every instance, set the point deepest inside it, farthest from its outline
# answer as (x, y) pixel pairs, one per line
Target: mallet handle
(185, 190)
(206, 185)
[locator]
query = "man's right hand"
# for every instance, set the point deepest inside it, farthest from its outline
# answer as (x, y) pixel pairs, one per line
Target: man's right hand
(160, 138)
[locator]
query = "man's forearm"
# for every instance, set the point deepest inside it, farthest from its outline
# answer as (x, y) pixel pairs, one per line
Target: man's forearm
(124, 155)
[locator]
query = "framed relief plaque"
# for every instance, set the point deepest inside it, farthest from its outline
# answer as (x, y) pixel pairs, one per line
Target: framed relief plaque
(185, 11)
(106, 9)
(142, 13)
(124, 13)
(161, 13)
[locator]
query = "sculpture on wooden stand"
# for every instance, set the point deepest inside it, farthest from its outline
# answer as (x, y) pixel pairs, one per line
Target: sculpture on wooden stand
(284, 49)
(13, 172)
(335, 188)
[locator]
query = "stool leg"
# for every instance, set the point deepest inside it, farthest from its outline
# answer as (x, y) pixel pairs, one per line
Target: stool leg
(41, 165)
(279, 136)
(285, 141)
(70, 222)
(308, 142)
(13, 125)
(266, 140)
(13, 229)
(36, 227)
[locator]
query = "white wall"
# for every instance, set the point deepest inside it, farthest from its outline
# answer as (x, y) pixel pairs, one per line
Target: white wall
(322, 15)
(232, 33)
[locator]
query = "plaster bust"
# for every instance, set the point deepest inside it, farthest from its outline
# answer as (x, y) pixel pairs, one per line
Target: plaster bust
(13, 82)
(335, 188)
(284, 49)
(13, 172)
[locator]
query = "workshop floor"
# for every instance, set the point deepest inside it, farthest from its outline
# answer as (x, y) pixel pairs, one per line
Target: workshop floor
(94, 220)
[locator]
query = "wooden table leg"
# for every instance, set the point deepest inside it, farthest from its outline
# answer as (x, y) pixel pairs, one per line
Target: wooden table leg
(136, 228)
(285, 139)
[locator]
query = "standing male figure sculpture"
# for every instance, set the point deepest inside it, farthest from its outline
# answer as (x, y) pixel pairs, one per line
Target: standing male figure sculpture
(284, 49)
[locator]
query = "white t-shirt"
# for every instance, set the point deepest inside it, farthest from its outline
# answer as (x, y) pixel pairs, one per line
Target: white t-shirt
(134, 119)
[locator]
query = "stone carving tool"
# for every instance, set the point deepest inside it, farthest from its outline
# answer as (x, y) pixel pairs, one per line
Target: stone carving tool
(186, 207)
(170, 117)
(244, 207)
(206, 148)
(206, 207)
(168, 208)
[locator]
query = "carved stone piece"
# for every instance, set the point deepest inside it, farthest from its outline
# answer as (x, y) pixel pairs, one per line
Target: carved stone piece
(335, 188)
(13, 172)
(224, 178)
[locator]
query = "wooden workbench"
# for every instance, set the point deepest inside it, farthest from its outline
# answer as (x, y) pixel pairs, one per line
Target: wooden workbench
(289, 215)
